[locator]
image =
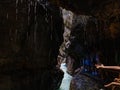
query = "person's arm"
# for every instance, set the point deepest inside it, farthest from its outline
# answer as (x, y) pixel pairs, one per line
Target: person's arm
(112, 83)
(107, 67)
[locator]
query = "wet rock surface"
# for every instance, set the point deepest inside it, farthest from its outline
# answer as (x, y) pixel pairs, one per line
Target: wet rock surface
(30, 36)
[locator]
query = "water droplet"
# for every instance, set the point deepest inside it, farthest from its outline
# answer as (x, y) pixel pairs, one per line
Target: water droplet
(16, 9)
(7, 16)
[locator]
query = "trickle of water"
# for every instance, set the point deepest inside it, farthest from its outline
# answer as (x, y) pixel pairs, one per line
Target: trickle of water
(31, 3)
(36, 24)
(28, 12)
(46, 15)
(17, 9)
(51, 29)
(16, 31)
(35, 7)
(17, 2)
(35, 10)
(7, 16)
(21, 1)
(35, 35)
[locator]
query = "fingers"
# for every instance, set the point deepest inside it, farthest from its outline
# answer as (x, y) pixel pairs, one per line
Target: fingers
(99, 66)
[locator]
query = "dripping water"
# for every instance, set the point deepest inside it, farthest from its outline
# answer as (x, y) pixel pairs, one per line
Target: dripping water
(16, 31)
(17, 9)
(51, 28)
(35, 27)
(21, 1)
(28, 12)
(46, 16)
(7, 16)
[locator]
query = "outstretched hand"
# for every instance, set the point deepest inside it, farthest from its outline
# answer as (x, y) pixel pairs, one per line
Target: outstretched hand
(99, 66)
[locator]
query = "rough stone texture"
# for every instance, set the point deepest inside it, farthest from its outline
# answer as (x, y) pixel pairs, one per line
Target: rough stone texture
(102, 9)
(85, 82)
(30, 36)
(80, 6)
(82, 39)
(93, 41)
(68, 18)
(70, 65)
(104, 41)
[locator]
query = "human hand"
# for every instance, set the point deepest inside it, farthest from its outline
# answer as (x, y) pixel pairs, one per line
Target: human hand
(99, 66)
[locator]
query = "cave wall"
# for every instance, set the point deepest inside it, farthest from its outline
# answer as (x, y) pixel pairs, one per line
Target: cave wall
(90, 7)
(98, 40)
(68, 19)
(108, 16)
(93, 39)
(30, 36)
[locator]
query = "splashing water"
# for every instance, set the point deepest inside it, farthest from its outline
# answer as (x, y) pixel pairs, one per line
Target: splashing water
(66, 80)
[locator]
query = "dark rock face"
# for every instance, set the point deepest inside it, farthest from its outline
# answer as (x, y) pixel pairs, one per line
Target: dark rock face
(85, 82)
(70, 65)
(84, 42)
(97, 42)
(80, 6)
(30, 36)
(101, 8)
(94, 42)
